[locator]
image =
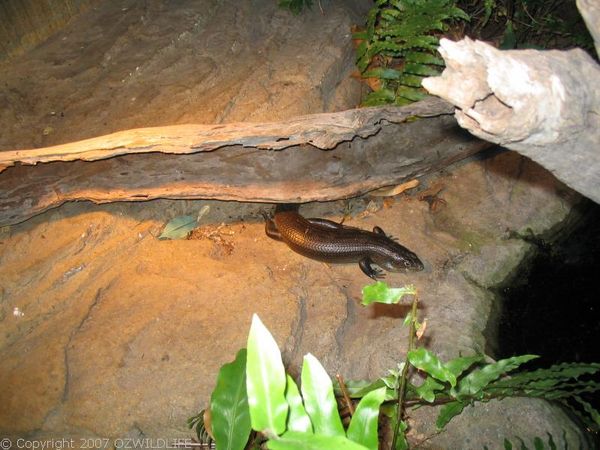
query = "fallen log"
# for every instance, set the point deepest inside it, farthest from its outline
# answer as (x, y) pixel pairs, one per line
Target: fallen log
(367, 149)
(324, 131)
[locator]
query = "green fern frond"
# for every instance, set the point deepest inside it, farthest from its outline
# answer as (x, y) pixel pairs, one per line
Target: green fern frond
(383, 74)
(406, 95)
(404, 30)
(423, 58)
(380, 97)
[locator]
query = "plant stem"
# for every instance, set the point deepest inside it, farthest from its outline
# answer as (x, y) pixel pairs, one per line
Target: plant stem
(345, 394)
(404, 375)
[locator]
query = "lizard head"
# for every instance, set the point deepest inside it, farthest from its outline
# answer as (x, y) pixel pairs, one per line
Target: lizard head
(401, 260)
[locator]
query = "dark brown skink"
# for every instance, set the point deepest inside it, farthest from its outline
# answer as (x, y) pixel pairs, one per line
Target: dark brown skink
(331, 242)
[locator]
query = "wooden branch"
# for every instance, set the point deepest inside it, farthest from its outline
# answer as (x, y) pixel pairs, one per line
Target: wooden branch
(370, 148)
(543, 104)
(323, 131)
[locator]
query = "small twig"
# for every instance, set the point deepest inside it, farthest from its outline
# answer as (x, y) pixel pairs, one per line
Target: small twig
(345, 394)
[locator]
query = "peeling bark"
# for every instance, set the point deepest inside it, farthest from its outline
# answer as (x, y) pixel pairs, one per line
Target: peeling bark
(324, 131)
(543, 104)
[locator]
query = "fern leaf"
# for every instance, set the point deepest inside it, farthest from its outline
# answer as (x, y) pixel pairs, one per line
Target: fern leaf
(562, 372)
(423, 58)
(421, 69)
(383, 74)
(380, 97)
(409, 93)
(474, 383)
(404, 29)
(411, 80)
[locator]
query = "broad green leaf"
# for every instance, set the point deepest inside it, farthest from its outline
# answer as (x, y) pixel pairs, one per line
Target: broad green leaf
(380, 292)
(229, 405)
(427, 390)
(392, 381)
(319, 400)
(298, 420)
(458, 365)
(178, 227)
(265, 381)
(507, 444)
(426, 361)
(307, 441)
(538, 443)
(474, 382)
(447, 412)
(363, 426)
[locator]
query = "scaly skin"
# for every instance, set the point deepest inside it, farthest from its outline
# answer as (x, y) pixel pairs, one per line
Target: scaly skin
(331, 242)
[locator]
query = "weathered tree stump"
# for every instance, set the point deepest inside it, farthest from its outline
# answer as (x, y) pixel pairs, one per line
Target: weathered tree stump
(543, 104)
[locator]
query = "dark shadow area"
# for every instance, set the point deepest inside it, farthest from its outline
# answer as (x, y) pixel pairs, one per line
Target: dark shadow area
(551, 306)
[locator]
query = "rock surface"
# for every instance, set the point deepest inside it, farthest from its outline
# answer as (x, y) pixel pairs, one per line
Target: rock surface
(132, 65)
(109, 332)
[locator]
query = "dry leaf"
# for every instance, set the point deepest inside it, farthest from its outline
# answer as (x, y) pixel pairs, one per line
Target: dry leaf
(390, 191)
(421, 330)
